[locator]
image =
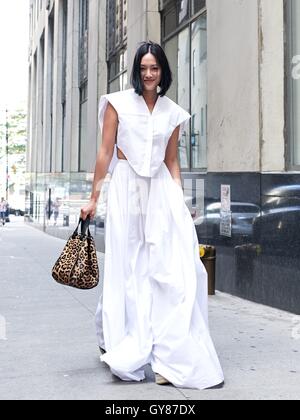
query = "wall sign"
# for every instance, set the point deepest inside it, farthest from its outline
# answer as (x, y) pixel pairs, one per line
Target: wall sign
(226, 214)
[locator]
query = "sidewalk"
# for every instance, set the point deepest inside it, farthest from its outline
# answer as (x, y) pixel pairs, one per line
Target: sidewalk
(48, 348)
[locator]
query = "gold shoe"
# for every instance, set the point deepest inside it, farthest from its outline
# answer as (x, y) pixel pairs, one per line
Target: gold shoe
(160, 380)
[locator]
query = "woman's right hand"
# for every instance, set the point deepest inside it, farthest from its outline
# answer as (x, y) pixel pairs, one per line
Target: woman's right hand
(89, 210)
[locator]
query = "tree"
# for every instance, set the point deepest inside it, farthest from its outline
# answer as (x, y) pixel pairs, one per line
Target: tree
(17, 135)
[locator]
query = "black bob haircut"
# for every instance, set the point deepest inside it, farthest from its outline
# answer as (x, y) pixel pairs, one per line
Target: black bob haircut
(159, 54)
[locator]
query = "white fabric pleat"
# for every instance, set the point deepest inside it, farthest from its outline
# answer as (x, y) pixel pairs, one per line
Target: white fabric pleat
(154, 304)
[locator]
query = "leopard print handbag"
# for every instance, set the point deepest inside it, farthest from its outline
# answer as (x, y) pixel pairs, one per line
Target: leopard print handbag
(77, 265)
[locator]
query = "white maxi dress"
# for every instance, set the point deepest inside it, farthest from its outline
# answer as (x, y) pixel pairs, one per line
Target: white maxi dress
(153, 309)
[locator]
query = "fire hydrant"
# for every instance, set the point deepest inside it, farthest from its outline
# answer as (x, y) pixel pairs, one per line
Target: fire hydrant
(208, 257)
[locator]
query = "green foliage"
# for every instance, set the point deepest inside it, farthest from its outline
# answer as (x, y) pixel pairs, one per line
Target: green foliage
(16, 128)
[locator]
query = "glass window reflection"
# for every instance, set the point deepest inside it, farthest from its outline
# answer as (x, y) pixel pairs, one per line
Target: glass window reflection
(183, 10)
(187, 53)
(170, 21)
(183, 87)
(197, 5)
(177, 50)
(294, 81)
(199, 93)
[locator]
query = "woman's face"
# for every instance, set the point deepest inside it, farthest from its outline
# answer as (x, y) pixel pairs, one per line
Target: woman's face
(150, 73)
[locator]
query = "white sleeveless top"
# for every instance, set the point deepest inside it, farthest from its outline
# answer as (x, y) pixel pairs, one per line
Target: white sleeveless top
(143, 136)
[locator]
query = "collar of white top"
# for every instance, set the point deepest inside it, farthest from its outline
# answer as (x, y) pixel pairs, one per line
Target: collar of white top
(142, 99)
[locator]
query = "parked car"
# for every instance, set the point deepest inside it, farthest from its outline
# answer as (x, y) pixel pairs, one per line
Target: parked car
(16, 212)
(243, 216)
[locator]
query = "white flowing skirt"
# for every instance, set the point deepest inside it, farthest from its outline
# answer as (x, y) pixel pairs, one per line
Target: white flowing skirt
(154, 304)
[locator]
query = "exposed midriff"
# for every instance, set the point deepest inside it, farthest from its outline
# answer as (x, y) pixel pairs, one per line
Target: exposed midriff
(120, 154)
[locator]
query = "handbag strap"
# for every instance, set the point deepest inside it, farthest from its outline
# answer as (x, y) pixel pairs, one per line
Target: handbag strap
(84, 228)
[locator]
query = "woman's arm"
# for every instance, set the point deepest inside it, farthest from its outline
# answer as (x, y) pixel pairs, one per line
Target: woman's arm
(110, 126)
(171, 157)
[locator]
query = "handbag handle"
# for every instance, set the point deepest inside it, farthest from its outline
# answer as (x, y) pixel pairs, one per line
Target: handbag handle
(84, 227)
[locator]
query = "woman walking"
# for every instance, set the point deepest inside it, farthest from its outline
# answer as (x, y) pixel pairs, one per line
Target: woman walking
(154, 304)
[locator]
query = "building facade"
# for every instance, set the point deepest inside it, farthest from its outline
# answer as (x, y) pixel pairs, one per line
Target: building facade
(236, 69)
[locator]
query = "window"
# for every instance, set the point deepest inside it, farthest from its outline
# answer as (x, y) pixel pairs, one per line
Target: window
(42, 70)
(83, 82)
(64, 47)
(117, 71)
(64, 75)
(51, 67)
(177, 50)
(199, 93)
(176, 13)
(197, 5)
(183, 11)
(186, 49)
(83, 43)
(117, 44)
(83, 128)
(293, 78)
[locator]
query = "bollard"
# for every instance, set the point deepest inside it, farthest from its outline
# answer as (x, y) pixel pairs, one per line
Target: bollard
(208, 258)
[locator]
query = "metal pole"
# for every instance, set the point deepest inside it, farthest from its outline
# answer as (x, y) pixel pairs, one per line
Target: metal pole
(7, 172)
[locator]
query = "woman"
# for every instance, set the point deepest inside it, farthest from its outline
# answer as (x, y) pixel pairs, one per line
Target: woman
(56, 207)
(154, 304)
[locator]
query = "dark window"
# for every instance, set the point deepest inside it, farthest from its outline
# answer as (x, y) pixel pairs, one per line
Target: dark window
(170, 21)
(197, 5)
(64, 76)
(83, 82)
(51, 48)
(64, 47)
(83, 42)
(117, 44)
(83, 128)
(176, 13)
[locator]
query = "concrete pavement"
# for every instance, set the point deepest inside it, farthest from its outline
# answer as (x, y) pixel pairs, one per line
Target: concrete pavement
(48, 349)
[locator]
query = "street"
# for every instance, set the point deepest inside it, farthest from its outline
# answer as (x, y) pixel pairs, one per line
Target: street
(48, 349)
